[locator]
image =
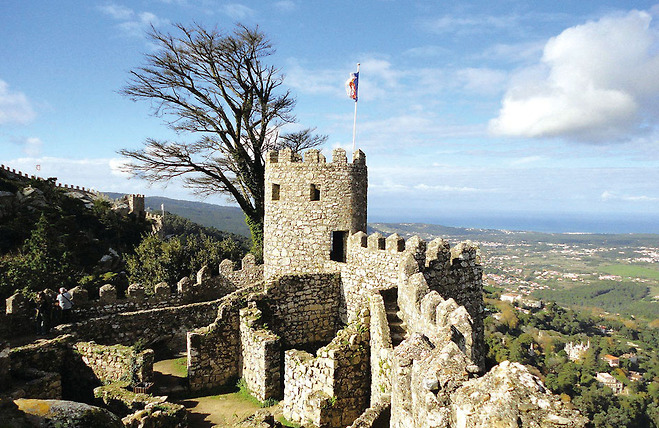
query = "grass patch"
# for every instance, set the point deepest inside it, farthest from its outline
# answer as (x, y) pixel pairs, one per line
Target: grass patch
(631, 271)
(181, 367)
(285, 422)
(245, 394)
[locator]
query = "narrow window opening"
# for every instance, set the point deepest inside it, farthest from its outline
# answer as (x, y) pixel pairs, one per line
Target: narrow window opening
(275, 192)
(314, 192)
(339, 241)
(364, 241)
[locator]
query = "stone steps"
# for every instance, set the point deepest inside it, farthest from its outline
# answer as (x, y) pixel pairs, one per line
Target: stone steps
(396, 325)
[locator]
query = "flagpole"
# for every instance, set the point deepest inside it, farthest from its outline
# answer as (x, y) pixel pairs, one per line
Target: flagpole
(354, 123)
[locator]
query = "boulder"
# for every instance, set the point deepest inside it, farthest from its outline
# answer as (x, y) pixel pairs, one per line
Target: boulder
(161, 290)
(509, 395)
(62, 413)
(107, 293)
(79, 295)
(135, 291)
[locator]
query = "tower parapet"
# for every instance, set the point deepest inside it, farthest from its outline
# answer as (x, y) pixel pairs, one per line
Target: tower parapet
(311, 208)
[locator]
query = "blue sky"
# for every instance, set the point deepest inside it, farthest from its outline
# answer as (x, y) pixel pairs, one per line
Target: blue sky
(467, 109)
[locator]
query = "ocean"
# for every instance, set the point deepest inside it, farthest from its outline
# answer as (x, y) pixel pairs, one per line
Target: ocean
(537, 222)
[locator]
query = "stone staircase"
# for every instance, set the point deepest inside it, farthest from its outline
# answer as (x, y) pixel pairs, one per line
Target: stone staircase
(396, 326)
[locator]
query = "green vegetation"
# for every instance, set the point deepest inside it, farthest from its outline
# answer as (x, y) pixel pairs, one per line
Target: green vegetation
(624, 298)
(181, 367)
(246, 395)
(159, 259)
(631, 271)
(50, 239)
(285, 422)
(538, 340)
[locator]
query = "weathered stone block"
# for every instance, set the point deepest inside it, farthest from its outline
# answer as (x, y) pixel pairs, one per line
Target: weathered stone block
(107, 293)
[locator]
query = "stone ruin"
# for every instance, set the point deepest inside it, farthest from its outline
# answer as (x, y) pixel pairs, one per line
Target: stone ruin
(345, 328)
(350, 329)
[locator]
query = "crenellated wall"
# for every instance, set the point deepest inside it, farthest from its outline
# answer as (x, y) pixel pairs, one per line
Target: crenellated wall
(306, 202)
(373, 263)
(20, 174)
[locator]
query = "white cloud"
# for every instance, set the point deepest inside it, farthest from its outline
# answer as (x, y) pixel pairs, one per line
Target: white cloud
(526, 160)
(595, 81)
(481, 80)
(427, 51)
(117, 11)
(32, 146)
(118, 167)
(612, 196)
(14, 106)
(286, 5)
(132, 23)
(514, 52)
(468, 24)
(238, 11)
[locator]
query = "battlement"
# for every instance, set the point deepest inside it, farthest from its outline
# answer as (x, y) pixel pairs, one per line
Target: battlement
(313, 156)
(70, 187)
(433, 254)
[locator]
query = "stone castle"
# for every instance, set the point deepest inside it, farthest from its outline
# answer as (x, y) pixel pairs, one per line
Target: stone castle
(345, 328)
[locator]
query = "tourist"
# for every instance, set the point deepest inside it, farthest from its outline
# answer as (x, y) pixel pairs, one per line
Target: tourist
(44, 313)
(65, 303)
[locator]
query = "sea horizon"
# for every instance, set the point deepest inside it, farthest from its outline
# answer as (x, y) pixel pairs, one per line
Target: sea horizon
(535, 222)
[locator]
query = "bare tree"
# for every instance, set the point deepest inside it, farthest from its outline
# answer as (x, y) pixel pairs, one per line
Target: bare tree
(219, 87)
(301, 140)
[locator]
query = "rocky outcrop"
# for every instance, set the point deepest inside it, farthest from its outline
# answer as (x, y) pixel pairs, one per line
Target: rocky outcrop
(61, 413)
(510, 396)
(438, 387)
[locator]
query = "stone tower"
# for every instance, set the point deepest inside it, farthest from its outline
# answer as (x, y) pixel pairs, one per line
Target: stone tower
(135, 204)
(311, 207)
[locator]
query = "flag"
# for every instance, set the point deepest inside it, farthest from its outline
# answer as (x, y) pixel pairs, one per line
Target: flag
(352, 85)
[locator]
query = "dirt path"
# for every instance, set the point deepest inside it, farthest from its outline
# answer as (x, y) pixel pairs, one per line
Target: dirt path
(218, 410)
(222, 410)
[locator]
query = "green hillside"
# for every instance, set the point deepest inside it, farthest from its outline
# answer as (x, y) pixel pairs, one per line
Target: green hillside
(229, 219)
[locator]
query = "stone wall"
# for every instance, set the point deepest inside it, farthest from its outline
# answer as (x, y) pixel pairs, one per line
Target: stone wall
(249, 272)
(303, 309)
(19, 317)
(305, 202)
(45, 355)
(35, 369)
(381, 348)
(299, 309)
(117, 362)
(331, 389)
(5, 364)
(441, 321)
(376, 416)
(261, 355)
(146, 326)
(457, 274)
(214, 356)
(373, 264)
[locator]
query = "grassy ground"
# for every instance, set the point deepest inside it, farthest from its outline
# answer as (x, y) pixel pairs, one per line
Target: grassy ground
(631, 271)
(220, 410)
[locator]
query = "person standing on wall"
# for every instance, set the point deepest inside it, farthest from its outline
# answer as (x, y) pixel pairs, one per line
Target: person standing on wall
(65, 303)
